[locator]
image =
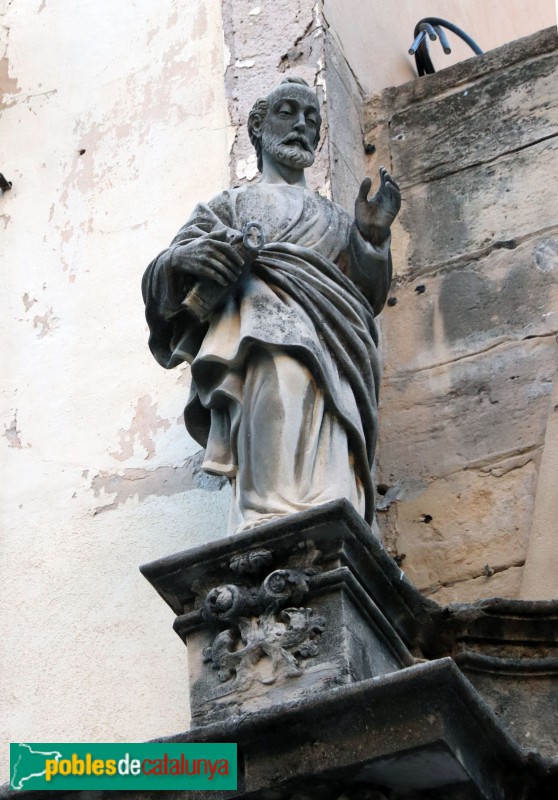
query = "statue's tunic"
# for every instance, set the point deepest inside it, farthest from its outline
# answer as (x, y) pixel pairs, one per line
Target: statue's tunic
(285, 375)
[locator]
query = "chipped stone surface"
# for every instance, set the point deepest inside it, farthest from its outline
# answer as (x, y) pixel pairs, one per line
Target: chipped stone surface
(500, 113)
(9, 87)
(13, 434)
(142, 431)
(45, 324)
(164, 481)
(492, 205)
(465, 414)
(507, 295)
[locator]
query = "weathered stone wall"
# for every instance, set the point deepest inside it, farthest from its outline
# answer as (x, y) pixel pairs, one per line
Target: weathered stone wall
(471, 342)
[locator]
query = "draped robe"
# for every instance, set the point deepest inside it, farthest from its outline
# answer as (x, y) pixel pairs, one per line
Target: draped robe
(285, 375)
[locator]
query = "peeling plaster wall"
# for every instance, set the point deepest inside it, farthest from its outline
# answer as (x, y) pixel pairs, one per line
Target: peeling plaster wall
(264, 42)
(470, 337)
(376, 37)
(113, 125)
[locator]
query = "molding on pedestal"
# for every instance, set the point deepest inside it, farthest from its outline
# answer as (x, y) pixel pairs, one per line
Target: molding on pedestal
(345, 541)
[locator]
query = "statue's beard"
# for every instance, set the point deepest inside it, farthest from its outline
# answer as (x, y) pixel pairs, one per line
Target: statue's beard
(293, 150)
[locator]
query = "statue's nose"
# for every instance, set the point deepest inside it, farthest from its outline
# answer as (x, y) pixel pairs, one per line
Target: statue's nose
(300, 124)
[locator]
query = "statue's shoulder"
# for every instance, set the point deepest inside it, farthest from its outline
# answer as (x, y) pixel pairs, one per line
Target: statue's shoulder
(223, 198)
(329, 207)
(233, 204)
(229, 198)
(234, 192)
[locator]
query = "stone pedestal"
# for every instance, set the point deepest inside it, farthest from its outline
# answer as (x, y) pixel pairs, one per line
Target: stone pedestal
(290, 609)
(310, 649)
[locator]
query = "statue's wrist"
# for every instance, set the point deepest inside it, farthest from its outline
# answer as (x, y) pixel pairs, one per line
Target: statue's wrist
(376, 235)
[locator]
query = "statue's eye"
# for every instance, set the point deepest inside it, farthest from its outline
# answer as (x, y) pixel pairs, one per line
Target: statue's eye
(285, 110)
(311, 120)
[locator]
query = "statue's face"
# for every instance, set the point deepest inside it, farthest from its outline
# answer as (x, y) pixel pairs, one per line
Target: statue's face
(291, 125)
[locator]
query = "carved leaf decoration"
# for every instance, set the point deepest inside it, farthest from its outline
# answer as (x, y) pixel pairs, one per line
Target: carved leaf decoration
(265, 622)
(284, 587)
(250, 630)
(251, 563)
(306, 556)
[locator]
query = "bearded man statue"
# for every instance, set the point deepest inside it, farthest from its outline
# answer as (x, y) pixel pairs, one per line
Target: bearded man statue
(284, 361)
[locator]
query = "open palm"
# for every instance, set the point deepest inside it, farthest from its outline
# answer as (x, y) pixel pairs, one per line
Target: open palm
(375, 216)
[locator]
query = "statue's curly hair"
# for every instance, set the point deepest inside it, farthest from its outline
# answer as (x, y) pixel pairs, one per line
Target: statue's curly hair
(259, 111)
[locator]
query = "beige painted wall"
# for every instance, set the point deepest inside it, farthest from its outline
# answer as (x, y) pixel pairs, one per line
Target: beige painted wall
(375, 37)
(92, 429)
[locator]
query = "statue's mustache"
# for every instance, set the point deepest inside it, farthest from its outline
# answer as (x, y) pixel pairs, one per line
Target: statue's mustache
(298, 138)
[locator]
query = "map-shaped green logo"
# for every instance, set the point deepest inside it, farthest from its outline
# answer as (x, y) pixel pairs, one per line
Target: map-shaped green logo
(27, 763)
(70, 766)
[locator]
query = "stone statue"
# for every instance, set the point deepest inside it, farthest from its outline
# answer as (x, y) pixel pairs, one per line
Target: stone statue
(281, 335)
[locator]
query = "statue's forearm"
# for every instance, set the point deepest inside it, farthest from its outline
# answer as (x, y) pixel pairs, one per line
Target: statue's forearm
(163, 287)
(370, 268)
(169, 325)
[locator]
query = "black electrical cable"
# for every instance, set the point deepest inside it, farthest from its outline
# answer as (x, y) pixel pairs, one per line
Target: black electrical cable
(431, 28)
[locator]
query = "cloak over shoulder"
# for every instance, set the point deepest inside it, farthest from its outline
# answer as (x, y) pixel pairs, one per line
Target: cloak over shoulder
(297, 300)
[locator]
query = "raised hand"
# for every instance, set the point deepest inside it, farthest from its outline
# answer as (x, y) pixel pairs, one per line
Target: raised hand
(375, 216)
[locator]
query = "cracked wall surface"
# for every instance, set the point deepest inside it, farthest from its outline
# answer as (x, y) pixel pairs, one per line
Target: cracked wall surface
(265, 42)
(113, 125)
(470, 335)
